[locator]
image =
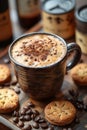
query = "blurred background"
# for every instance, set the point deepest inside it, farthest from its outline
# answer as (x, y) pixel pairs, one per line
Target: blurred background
(18, 27)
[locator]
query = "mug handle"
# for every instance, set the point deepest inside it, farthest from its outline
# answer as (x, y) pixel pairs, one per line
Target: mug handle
(73, 47)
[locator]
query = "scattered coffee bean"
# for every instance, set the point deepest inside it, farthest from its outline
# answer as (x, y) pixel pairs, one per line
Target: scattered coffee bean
(44, 125)
(79, 101)
(21, 118)
(27, 118)
(73, 93)
(17, 90)
(70, 99)
(85, 107)
(79, 106)
(36, 112)
(6, 60)
(33, 116)
(30, 104)
(29, 111)
(20, 124)
(77, 120)
(35, 125)
(14, 82)
(50, 128)
(18, 85)
(23, 112)
(69, 129)
(37, 118)
(26, 108)
(42, 120)
(15, 119)
(27, 127)
(15, 113)
(64, 129)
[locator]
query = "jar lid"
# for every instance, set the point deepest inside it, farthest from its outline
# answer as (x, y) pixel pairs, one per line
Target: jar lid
(58, 6)
(81, 18)
(81, 14)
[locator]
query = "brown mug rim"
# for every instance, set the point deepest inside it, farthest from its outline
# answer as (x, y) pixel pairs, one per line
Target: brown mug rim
(35, 33)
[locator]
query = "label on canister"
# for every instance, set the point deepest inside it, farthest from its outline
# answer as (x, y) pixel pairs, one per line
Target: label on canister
(81, 28)
(58, 17)
(81, 40)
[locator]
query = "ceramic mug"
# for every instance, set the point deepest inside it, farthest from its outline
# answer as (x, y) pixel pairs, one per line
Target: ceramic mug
(44, 82)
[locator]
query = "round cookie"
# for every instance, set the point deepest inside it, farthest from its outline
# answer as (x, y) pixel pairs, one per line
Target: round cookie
(8, 100)
(5, 74)
(60, 112)
(79, 74)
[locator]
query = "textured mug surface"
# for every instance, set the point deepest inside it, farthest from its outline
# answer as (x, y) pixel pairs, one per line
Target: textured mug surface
(44, 81)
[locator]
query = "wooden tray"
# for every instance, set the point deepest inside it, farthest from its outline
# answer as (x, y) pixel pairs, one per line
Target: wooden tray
(6, 122)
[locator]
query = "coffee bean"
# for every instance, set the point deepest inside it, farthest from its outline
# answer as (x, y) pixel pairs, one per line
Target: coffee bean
(17, 90)
(79, 101)
(23, 112)
(26, 108)
(14, 82)
(69, 99)
(42, 120)
(15, 113)
(37, 118)
(50, 128)
(69, 129)
(80, 106)
(29, 111)
(35, 125)
(15, 119)
(44, 125)
(36, 112)
(20, 124)
(27, 118)
(73, 93)
(6, 60)
(64, 129)
(21, 118)
(33, 116)
(30, 104)
(27, 127)
(85, 107)
(18, 85)
(77, 120)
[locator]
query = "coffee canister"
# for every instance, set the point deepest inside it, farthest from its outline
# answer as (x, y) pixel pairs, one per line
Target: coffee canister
(58, 17)
(81, 28)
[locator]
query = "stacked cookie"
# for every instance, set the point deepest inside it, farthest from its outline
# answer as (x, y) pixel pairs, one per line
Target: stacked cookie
(79, 74)
(60, 113)
(8, 98)
(5, 74)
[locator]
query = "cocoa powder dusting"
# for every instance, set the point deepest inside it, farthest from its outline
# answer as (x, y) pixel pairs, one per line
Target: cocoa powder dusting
(36, 49)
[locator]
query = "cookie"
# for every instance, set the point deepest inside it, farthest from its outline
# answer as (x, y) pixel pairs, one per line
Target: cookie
(8, 100)
(5, 74)
(60, 112)
(79, 74)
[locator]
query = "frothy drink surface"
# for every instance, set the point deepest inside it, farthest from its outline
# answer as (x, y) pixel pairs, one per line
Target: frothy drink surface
(38, 50)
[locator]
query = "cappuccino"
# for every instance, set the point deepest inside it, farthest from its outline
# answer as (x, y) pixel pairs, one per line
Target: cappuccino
(38, 50)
